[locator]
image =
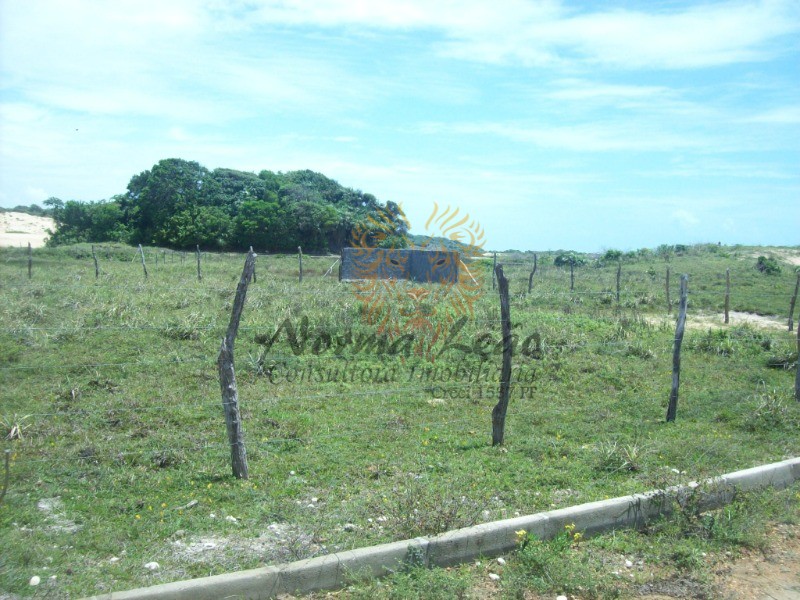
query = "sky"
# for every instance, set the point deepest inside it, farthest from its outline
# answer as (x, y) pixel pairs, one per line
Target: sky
(554, 124)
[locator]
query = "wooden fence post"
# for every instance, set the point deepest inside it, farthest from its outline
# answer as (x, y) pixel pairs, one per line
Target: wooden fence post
(571, 275)
(727, 295)
(672, 410)
(797, 374)
(530, 279)
(619, 276)
(227, 375)
(6, 477)
(494, 271)
(141, 254)
(669, 302)
(794, 299)
(300, 263)
(255, 278)
(499, 411)
(96, 266)
(199, 274)
(30, 261)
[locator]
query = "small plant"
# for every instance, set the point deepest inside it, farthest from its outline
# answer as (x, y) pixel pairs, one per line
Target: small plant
(554, 565)
(785, 361)
(716, 341)
(773, 412)
(416, 509)
(13, 426)
(614, 457)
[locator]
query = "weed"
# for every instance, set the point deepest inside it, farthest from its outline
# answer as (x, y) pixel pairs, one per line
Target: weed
(774, 411)
(614, 457)
(416, 508)
(13, 426)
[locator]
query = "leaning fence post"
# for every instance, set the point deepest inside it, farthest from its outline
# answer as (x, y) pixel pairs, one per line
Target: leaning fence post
(794, 299)
(199, 274)
(96, 267)
(676, 353)
(30, 261)
(530, 278)
(499, 411)
(227, 375)
(255, 278)
(300, 263)
(141, 254)
(727, 295)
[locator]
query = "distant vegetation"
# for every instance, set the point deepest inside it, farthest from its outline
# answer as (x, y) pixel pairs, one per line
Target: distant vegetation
(179, 204)
(33, 209)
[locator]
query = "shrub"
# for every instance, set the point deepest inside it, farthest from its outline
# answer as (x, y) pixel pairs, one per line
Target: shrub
(767, 265)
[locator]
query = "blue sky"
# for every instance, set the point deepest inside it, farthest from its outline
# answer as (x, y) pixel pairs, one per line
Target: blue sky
(575, 125)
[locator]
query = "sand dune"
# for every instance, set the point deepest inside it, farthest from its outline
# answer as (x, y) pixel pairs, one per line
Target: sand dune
(18, 229)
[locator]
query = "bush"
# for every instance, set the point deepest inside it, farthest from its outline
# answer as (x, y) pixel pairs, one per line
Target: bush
(767, 265)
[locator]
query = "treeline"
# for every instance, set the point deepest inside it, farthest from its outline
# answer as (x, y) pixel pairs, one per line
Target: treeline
(180, 204)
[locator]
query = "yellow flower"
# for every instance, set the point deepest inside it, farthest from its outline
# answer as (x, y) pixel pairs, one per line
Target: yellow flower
(209, 485)
(521, 534)
(577, 537)
(138, 517)
(163, 505)
(570, 527)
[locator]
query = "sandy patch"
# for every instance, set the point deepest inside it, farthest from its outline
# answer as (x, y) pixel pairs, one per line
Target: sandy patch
(280, 543)
(786, 255)
(19, 229)
(716, 321)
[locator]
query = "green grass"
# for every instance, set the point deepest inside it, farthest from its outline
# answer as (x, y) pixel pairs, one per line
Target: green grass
(112, 384)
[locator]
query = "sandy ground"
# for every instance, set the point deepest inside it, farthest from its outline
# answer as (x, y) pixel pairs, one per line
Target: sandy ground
(715, 321)
(17, 229)
(790, 256)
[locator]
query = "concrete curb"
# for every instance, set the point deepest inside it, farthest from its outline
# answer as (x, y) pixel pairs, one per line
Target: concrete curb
(488, 539)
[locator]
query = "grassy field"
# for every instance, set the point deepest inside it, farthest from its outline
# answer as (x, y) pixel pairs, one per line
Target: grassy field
(110, 406)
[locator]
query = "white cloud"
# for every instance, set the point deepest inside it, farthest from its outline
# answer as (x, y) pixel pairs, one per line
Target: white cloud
(685, 218)
(554, 33)
(587, 137)
(784, 115)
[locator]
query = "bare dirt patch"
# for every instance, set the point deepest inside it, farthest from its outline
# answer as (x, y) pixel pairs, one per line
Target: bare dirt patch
(773, 574)
(280, 543)
(19, 229)
(717, 321)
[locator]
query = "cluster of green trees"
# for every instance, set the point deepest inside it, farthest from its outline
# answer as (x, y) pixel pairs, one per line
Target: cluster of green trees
(180, 204)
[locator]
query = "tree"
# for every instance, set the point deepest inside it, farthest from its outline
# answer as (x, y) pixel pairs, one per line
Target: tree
(566, 259)
(236, 187)
(171, 187)
(265, 226)
(665, 251)
(206, 226)
(86, 222)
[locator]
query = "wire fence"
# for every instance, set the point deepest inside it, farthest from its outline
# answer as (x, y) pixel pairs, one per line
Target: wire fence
(107, 381)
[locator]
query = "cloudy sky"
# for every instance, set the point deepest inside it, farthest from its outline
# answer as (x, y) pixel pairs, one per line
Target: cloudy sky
(574, 124)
